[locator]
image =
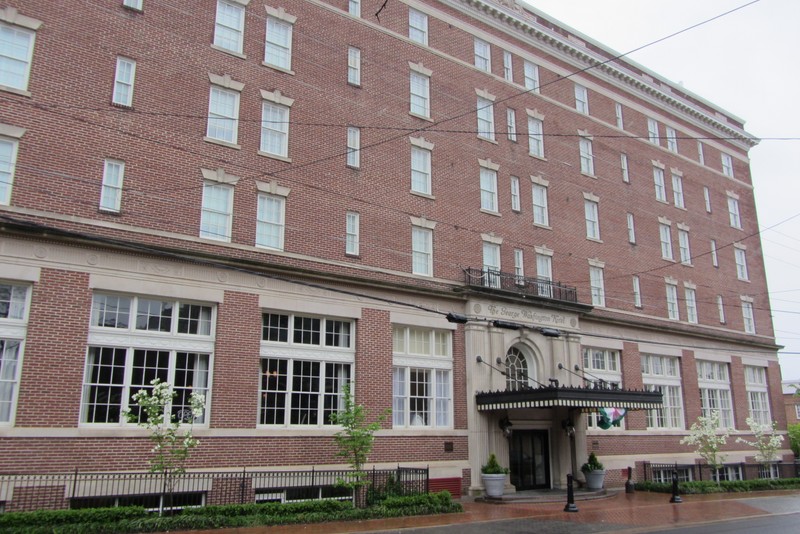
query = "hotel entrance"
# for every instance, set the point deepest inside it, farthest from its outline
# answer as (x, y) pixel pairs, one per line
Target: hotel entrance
(529, 457)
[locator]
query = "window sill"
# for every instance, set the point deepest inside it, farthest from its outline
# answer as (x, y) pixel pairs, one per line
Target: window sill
(122, 106)
(221, 143)
(353, 256)
(132, 9)
(356, 85)
(274, 156)
(661, 200)
(536, 156)
(423, 195)
(14, 90)
(490, 212)
(686, 264)
(543, 226)
(229, 52)
(268, 248)
(594, 239)
(488, 139)
(215, 239)
(277, 68)
(109, 211)
(354, 167)
(593, 176)
(423, 117)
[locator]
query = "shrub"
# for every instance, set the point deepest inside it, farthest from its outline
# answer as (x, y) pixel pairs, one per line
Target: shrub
(732, 486)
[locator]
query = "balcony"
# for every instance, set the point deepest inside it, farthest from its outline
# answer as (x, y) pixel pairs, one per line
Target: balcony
(520, 285)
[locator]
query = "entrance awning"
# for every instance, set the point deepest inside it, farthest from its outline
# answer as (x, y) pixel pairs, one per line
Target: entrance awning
(588, 398)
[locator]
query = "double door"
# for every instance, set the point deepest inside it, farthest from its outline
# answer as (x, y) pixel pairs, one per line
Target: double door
(529, 457)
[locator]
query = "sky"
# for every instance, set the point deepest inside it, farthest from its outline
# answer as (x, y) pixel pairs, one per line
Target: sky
(747, 63)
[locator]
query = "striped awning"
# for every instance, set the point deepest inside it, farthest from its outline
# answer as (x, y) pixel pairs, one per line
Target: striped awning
(588, 398)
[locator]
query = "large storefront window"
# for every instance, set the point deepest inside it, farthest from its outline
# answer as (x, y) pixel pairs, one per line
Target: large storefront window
(662, 374)
(603, 366)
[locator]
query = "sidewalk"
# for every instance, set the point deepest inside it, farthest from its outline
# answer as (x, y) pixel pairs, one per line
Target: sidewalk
(616, 511)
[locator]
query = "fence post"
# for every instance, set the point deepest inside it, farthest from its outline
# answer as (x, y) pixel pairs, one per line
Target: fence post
(241, 486)
(75, 483)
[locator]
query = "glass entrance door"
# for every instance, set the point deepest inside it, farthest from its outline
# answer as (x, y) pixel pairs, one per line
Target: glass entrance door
(530, 460)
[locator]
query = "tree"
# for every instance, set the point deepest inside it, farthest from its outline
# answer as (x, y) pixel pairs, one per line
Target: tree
(767, 441)
(794, 438)
(708, 441)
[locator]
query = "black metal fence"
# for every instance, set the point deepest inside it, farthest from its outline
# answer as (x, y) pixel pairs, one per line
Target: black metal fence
(654, 472)
(158, 492)
(538, 287)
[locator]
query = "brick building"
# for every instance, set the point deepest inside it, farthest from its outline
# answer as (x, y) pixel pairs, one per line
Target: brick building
(481, 217)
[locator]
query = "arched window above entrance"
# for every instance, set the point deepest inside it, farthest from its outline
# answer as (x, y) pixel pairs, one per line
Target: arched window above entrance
(518, 371)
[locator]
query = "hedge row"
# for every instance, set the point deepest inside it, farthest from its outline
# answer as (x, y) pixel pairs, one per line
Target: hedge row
(725, 486)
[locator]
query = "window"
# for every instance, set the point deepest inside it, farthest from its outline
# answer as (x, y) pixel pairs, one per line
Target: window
(747, 316)
(491, 264)
(305, 363)
(417, 26)
(508, 66)
(536, 139)
(721, 309)
(733, 212)
(652, 131)
(618, 115)
(422, 389)
(797, 410)
(511, 124)
(623, 163)
(136, 339)
(595, 359)
(8, 159)
(700, 153)
(597, 286)
(223, 115)
(658, 181)
(354, 66)
(755, 379)
(421, 170)
(123, 82)
(683, 247)
(483, 55)
(631, 229)
(16, 55)
(691, 304)
(672, 139)
(727, 164)
(420, 94)
(13, 321)
(485, 118)
(741, 262)
(532, 77)
(133, 4)
(519, 267)
(111, 190)
(216, 213)
(581, 99)
(515, 204)
(519, 375)
(544, 272)
(352, 234)
(672, 301)
(637, 292)
(421, 251)
(677, 190)
(229, 26)
(275, 124)
(665, 233)
(354, 7)
(540, 213)
(278, 45)
(353, 147)
(271, 222)
(587, 159)
(707, 198)
(605, 370)
(715, 391)
(714, 259)
(488, 189)
(664, 475)
(590, 210)
(662, 374)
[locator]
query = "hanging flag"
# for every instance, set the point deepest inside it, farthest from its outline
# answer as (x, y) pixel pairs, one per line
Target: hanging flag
(610, 417)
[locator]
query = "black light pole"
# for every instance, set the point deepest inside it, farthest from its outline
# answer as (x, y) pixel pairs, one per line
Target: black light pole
(675, 497)
(570, 506)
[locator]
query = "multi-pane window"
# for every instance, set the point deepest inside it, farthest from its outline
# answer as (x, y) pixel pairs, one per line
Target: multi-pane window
(590, 210)
(422, 389)
(652, 131)
(536, 138)
(278, 45)
(637, 291)
(508, 66)
(747, 317)
(275, 129)
(677, 190)
(229, 26)
(16, 54)
(216, 212)
(352, 233)
(701, 157)
(691, 304)
(683, 247)
(532, 77)
(623, 164)
(8, 159)
(672, 301)
(707, 198)
(618, 115)
(540, 212)
(721, 309)
(672, 139)
(544, 272)
(519, 375)
(658, 181)
(727, 164)
(741, 263)
(597, 286)
(271, 223)
(488, 189)
(483, 55)
(755, 380)
(133, 4)
(485, 111)
(305, 363)
(515, 202)
(631, 229)
(123, 82)
(421, 170)
(715, 391)
(421, 251)
(714, 258)
(581, 99)
(417, 26)
(587, 158)
(661, 374)
(420, 94)
(111, 190)
(354, 7)
(223, 115)
(353, 147)
(733, 212)
(134, 340)
(511, 124)
(13, 317)
(491, 264)
(665, 233)
(605, 370)
(519, 266)
(354, 66)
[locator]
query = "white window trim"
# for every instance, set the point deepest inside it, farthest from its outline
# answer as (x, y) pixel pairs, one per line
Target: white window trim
(352, 233)
(353, 147)
(420, 29)
(12, 17)
(354, 66)
(262, 222)
(111, 194)
(281, 16)
(283, 103)
(116, 99)
(238, 51)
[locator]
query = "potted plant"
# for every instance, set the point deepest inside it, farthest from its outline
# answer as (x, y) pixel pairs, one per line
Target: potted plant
(494, 477)
(594, 472)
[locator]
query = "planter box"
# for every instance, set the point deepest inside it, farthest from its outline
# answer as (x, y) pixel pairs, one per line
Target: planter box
(595, 479)
(494, 485)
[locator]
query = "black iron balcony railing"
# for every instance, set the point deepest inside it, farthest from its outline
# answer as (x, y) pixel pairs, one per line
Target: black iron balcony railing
(538, 287)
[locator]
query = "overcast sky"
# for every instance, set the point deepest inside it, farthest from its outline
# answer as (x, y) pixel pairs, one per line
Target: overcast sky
(747, 63)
